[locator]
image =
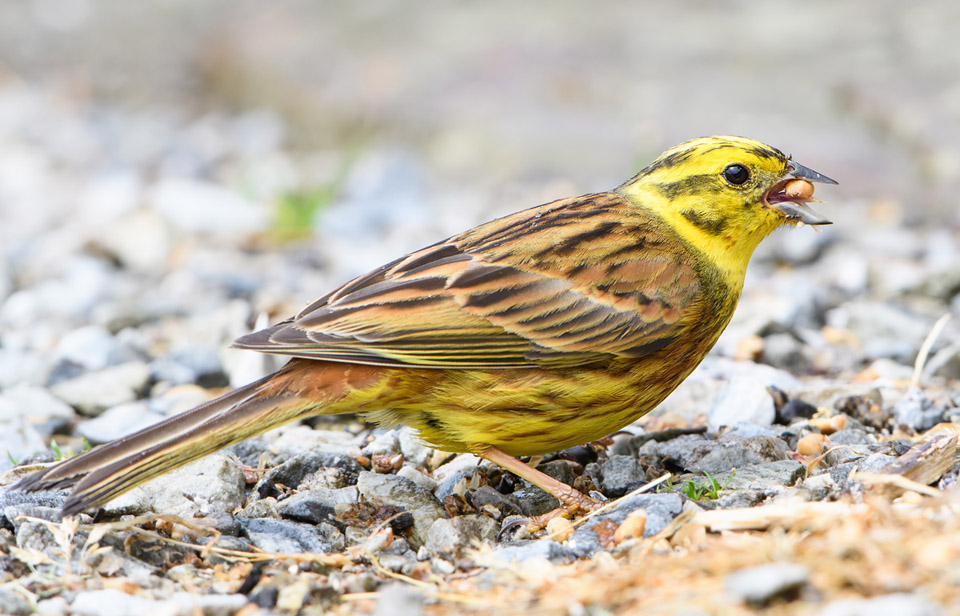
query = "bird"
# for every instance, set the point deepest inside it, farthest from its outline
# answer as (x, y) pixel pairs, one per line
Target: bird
(545, 329)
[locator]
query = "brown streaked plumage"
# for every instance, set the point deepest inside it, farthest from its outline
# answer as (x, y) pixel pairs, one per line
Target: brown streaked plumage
(541, 330)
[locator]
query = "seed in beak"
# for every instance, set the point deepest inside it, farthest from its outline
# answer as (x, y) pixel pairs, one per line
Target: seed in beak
(798, 189)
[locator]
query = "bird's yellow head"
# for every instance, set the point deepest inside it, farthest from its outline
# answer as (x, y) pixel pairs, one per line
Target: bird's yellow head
(725, 194)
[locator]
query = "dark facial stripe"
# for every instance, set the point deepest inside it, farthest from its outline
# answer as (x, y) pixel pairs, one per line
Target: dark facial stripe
(702, 184)
(713, 225)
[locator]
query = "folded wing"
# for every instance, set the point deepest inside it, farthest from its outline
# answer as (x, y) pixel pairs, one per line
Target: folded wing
(567, 283)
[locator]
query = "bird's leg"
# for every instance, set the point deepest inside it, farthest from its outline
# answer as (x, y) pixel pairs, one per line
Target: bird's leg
(573, 500)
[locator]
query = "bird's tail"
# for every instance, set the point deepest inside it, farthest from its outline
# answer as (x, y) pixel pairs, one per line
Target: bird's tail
(299, 389)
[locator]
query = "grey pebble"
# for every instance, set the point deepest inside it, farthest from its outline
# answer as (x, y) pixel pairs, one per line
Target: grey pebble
(317, 505)
(744, 399)
(758, 586)
(391, 490)
(387, 444)
(295, 470)
(94, 392)
(419, 478)
(288, 537)
(883, 329)
(111, 602)
(396, 599)
(450, 537)
(118, 421)
(682, 451)
(90, 348)
(851, 436)
(525, 550)
(784, 351)
(762, 475)
(533, 501)
(737, 499)
(18, 440)
(47, 413)
(190, 364)
(451, 473)
(916, 411)
(15, 603)
(412, 447)
(660, 509)
(213, 483)
(22, 367)
(738, 453)
(198, 206)
(620, 474)
(900, 604)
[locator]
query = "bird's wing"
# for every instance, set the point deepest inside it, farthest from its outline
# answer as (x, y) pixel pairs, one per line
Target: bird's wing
(563, 284)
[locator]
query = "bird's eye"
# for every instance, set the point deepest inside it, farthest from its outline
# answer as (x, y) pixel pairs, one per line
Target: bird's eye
(736, 174)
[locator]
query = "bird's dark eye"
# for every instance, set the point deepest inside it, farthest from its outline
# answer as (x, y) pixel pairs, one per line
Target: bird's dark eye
(736, 174)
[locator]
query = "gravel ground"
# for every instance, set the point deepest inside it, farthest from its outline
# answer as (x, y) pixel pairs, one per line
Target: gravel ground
(173, 176)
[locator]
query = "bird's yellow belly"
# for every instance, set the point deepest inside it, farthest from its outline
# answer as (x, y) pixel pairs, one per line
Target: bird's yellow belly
(530, 412)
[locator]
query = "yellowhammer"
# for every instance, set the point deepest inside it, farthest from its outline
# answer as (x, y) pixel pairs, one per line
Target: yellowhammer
(538, 331)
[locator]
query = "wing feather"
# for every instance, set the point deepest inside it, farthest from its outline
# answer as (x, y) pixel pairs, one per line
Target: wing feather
(567, 283)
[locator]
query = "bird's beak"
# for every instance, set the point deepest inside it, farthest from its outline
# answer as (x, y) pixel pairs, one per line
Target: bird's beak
(794, 206)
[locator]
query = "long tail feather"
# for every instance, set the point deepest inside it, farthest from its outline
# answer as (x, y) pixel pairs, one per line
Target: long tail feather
(116, 467)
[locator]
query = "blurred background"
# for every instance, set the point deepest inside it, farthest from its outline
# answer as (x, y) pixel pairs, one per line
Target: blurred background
(171, 170)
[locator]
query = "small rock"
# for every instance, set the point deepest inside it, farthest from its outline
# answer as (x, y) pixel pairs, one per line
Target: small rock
(318, 505)
(21, 367)
(88, 348)
(901, 604)
(390, 490)
(533, 501)
(621, 474)
(412, 447)
(46, 413)
(485, 498)
(762, 475)
(883, 329)
(288, 537)
(116, 603)
(740, 453)
(398, 599)
(681, 452)
(387, 443)
(94, 392)
(297, 468)
(140, 240)
(916, 411)
(784, 351)
(212, 483)
(759, 586)
(18, 439)
(196, 206)
(190, 364)
(15, 603)
(14, 503)
(411, 473)
(851, 436)
(534, 551)
(867, 409)
(744, 399)
(738, 499)
(118, 421)
(449, 537)
(451, 473)
(261, 508)
(599, 532)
